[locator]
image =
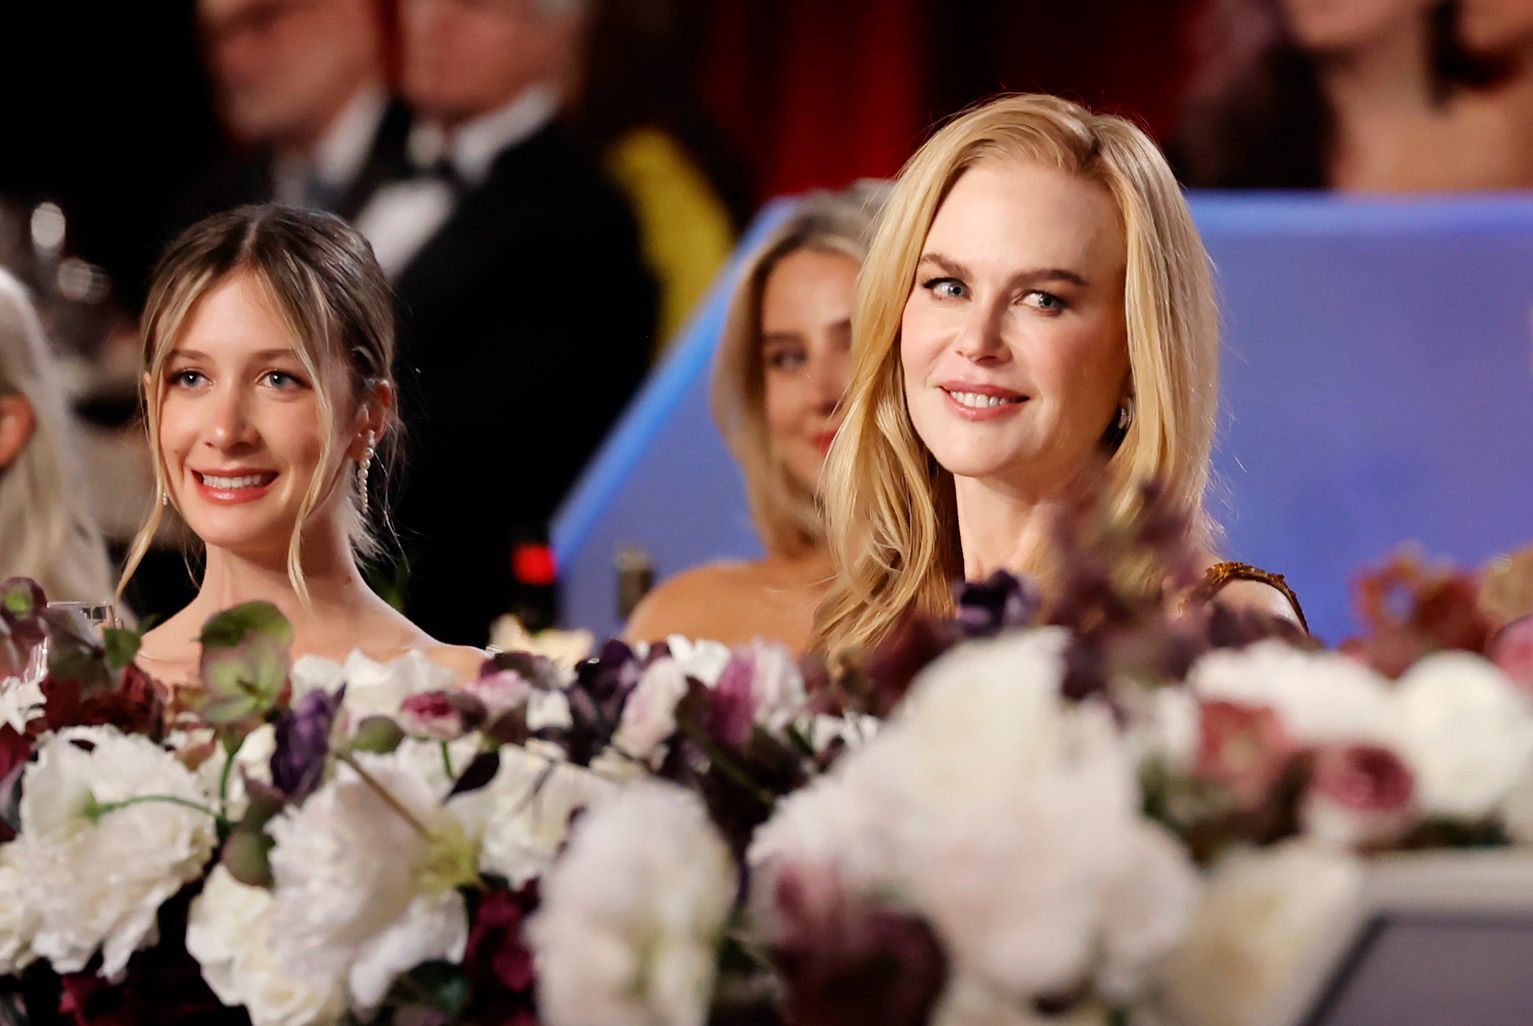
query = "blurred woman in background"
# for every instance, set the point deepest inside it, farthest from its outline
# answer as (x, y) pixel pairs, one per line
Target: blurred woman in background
(1357, 95)
(1036, 315)
(1499, 34)
(46, 530)
(782, 367)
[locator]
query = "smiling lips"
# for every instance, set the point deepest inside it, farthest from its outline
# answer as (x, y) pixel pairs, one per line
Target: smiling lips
(230, 488)
(982, 402)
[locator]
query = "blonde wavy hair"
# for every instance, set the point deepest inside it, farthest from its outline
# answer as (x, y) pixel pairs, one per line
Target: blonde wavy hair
(46, 529)
(785, 512)
(321, 278)
(890, 513)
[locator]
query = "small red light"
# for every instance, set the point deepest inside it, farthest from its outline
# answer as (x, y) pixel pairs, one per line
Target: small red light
(534, 564)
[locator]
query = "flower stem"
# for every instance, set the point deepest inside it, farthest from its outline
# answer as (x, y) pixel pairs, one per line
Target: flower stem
(447, 763)
(223, 777)
(95, 810)
(383, 792)
(718, 757)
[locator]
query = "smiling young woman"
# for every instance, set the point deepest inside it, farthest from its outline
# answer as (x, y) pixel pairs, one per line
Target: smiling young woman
(269, 398)
(1036, 309)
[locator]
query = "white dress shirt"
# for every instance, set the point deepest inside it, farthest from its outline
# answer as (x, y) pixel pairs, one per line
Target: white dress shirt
(339, 155)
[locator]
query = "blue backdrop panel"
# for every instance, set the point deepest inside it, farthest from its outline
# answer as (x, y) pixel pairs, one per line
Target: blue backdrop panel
(1377, 388)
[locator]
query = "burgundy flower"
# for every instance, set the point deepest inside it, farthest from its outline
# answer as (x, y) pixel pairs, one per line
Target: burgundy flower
(845, 961)
(498, 961)
(433, 716)
(732, 703)
(303, 743)
(1512, 650)
(1359, 795)
(1243, 748)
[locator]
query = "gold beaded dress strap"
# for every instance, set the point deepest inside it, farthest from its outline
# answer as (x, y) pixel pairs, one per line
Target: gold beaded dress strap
(1220, 574)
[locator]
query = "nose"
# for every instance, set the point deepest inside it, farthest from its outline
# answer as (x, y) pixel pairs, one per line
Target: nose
(231, 428)
(827, 382)
(981, 339)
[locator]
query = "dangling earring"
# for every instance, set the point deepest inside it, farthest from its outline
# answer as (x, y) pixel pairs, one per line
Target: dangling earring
(362, 468)
(1126, 413)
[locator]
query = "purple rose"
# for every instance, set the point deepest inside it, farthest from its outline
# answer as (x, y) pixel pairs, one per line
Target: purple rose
(1001, 602)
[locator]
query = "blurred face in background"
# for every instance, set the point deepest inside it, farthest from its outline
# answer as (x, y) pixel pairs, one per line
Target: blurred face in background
(1321, 26)
(284, 69)
(1013, 341)
(806, 354)
(464, 58)
(1496, 27)
(242, 432)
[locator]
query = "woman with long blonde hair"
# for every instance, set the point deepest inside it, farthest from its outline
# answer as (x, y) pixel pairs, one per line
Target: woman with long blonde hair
(1037, 310)
(269, 399)
(782, 367)
(46, 530)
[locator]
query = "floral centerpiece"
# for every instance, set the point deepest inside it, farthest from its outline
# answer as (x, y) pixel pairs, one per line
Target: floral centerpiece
(1095, 808)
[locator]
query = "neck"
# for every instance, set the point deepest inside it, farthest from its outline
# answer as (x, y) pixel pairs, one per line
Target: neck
(1390, 74)
(337, 592)
(1001, 528)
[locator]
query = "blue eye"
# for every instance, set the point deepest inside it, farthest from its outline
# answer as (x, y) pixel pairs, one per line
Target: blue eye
(1045, 302)
(946, 288)
(282, 381)
(186, 379)
(785, 359)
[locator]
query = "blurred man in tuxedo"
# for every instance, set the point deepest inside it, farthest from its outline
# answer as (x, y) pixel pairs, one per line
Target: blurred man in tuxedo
(299, 85)
(526, 312)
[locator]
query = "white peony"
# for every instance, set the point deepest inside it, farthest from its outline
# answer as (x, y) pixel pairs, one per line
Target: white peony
(1262, 911)
(97, 878)
(1321, 697)
(365, 887)
(21, 701)
(699, 658)
(1464, 730)
(228, 932)
(253, 760)
(18, 919)
(372, 688)
(1005, 816)
(632, 914)
(969, 1002)
(527, 811)
(649, 714)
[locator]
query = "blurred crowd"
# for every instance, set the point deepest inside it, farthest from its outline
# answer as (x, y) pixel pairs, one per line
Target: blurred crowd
(550, 188)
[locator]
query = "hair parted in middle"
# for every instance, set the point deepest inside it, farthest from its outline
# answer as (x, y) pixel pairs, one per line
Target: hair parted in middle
(323, 281)
(890, 514)
(786, 513)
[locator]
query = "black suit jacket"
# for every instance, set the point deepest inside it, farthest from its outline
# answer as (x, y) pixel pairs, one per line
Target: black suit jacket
(525, 325)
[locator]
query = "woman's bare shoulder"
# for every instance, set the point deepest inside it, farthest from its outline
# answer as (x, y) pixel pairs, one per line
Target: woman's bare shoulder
(463, 660)
(690, 601)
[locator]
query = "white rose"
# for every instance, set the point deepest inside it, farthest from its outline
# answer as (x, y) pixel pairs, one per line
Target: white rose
(632, 914)
(372, 688)
(98, 878)
(1261, 913)
(528, 810)
(18, 919)
(548, 709)
(699, 658)
(21, 701)
(228, 932)
(649, 714)
(1464, 731)
(352, 894)
(850, 729)
(1321, 697)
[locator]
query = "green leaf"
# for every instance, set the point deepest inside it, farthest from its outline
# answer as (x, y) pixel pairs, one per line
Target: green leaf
(234, 626)
(121, 647)
(441, 986)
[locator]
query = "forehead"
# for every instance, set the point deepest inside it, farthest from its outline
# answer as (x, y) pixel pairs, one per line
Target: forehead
(1003, 216)
(808, 284)
(235, 316)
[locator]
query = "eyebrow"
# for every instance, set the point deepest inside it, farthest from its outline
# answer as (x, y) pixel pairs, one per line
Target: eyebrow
(265, 354)
(958, 270)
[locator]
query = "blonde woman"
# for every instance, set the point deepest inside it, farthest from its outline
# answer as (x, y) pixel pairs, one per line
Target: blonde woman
(1036, 305)
(46, 531)
(783, 365)
(270, 405)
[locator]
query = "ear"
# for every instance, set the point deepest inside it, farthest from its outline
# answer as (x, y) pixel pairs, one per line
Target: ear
(374, 418)
(17, 422)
